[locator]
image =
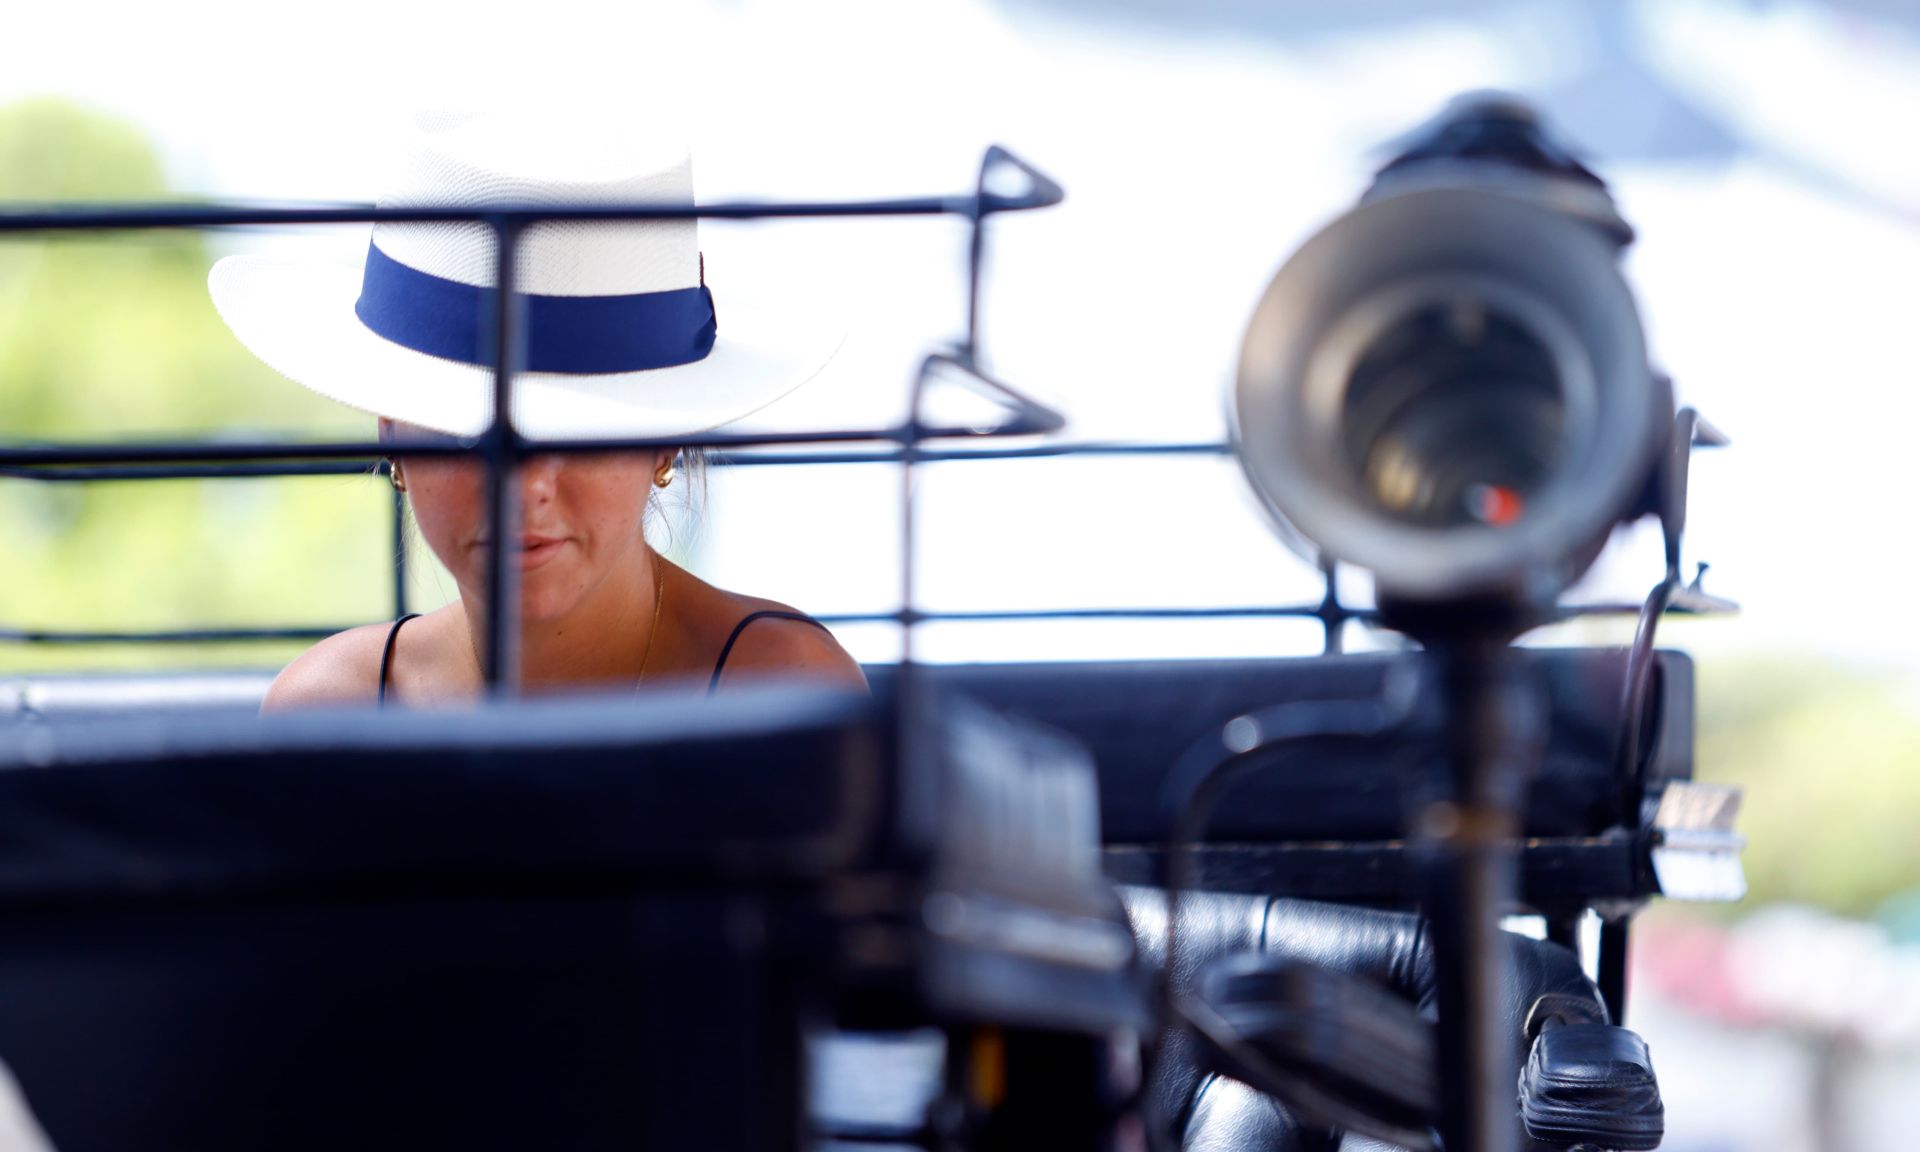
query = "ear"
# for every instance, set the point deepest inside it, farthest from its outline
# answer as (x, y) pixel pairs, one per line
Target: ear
(663, 462)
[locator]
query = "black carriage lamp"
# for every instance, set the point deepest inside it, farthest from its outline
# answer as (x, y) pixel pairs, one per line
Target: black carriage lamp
(1448, 386)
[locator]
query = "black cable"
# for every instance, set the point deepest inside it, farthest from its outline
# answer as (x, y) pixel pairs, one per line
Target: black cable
(1207, 766)
(1639, 678)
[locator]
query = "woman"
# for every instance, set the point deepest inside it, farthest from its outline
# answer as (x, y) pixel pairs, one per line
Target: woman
(620, 339)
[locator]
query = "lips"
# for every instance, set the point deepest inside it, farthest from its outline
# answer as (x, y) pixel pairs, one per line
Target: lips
(534, 550)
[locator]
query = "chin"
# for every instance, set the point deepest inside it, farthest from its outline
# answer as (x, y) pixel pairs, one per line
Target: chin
(539, 606)
(541, 600)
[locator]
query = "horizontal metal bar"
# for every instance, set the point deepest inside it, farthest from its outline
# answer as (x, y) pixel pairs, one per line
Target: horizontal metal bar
(1579, 611)
(1336, 612)
(119, 217)
(1290, 611)
(164, 636)
(216, 635)
(1316, 611)
(950, 455)
(1554, 871)
(107, 474)
(351, 466)
(18, 456)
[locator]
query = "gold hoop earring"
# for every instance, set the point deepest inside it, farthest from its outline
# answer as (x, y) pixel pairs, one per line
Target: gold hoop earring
(393, 477)
(663, 477)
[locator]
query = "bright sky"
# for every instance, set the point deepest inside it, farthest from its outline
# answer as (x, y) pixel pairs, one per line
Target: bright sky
(1778, 288)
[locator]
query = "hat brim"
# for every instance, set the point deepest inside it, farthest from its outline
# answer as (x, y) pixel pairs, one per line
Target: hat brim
(297, 317)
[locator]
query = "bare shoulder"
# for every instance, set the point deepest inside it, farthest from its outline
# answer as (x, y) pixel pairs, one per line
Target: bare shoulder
(774, 639)
(342, 669)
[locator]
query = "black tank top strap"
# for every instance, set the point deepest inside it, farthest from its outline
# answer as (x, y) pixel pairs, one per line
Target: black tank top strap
(386, 655)
(726, 649)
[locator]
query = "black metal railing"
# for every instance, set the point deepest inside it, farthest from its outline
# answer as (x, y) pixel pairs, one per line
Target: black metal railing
(502, 447)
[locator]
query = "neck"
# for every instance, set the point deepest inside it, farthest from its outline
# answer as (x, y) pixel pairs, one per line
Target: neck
(602, 641)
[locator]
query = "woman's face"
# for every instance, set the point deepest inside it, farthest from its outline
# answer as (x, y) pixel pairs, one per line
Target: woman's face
(580, 519)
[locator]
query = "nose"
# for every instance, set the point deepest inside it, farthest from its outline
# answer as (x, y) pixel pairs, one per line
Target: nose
(538, 476)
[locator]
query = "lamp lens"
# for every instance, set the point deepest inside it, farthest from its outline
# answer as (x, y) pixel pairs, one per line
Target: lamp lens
(1453, 416)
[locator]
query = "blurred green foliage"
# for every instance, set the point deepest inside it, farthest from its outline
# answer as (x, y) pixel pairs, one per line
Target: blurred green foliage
(1830, 760)
(114, 337)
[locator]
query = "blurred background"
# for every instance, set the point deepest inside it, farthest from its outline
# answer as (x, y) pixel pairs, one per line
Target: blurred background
(1766, 152)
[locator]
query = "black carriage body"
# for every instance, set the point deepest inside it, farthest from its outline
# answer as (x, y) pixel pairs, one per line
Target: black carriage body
(548, 931)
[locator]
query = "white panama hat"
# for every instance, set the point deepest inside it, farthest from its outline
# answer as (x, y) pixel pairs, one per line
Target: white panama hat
(621, 336)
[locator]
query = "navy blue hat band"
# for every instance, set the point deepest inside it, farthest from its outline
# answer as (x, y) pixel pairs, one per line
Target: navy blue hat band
(570, 334)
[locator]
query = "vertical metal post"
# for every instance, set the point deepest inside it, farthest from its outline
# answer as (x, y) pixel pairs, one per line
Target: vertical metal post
(1332, 613)
(399, 552)
(500, 447)
(1563, 928)
(909, 615)
(1613, 968)
(1467, 831)
(976, 249)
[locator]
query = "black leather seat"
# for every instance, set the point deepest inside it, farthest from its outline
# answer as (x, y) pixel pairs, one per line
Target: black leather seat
(1136, 718)
(404, 933)
(1222, 1115)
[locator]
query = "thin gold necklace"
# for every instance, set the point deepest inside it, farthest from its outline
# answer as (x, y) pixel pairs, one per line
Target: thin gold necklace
(659, 598)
